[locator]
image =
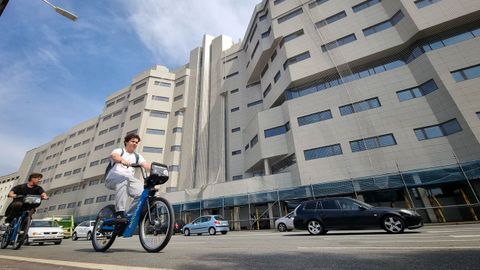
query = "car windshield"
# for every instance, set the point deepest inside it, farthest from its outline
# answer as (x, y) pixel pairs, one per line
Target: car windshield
(218, 217)
(43, 223)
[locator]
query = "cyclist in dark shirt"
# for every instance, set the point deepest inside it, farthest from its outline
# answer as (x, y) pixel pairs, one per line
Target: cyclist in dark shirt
(29, 188)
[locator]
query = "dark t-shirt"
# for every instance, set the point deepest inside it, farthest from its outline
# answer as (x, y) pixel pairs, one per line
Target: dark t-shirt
(23, 189)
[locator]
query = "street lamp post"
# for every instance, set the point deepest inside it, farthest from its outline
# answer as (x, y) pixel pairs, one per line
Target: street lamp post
(62, 11)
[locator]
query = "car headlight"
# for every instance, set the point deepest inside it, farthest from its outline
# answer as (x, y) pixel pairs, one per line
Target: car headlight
(407, 212)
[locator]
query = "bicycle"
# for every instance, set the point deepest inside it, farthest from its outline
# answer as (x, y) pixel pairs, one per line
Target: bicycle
(17, 231)
(156, 215)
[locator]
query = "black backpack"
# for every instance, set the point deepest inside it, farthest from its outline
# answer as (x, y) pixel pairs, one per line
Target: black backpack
(112, 163)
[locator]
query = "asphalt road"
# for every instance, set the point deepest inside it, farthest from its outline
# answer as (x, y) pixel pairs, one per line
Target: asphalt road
(430, 247)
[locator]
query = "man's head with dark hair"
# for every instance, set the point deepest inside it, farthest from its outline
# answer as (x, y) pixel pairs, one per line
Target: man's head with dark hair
(129, 137)
(34, 175)
(131, 142)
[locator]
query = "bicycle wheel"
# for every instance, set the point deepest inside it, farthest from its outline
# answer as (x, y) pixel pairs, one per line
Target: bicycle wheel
(5, 237)
(103, 235)
(156, 226)
(19, 239)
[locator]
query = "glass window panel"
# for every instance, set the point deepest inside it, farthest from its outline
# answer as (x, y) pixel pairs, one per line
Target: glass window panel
(394, 64)
(374, 103)
(404, 95)
(416, 92)
(433, 132)
(356, 146)
(386, 140)
(429, 87)
(420, 135)
(457, 38)
(371, 143)
(458, 76)
(344, 110)
(436, 45)
(451, 127)
(472, 73)
(476, 32)
(379, 69)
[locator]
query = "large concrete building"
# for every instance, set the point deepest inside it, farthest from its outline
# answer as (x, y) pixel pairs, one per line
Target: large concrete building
(376, 100)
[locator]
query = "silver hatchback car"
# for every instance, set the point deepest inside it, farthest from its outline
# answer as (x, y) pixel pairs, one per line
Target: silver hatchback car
(285, 223)
(206, 224)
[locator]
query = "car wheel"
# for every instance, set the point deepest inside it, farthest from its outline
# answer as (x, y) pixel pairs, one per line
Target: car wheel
(89, 235)
(212, 231)
(224, 233)
(186, 232)
(58, 242)
(74, 237)
(315, 227)
(393, 224)
(281, 227)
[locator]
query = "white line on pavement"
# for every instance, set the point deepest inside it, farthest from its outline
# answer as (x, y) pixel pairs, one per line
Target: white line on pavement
(465, 236)
(390, 248)
(77, 264)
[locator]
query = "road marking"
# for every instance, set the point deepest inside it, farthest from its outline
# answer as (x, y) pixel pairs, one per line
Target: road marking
(465, 236)
(389, 248)
(78, 264)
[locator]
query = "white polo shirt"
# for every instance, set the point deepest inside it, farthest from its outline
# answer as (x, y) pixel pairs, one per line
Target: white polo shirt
(121, 169)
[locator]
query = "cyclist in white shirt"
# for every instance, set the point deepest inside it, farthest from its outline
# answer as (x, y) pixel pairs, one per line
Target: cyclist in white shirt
(121, 176)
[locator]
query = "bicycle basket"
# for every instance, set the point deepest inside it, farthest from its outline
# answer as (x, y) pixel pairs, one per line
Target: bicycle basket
(32, 199)
(158, 174)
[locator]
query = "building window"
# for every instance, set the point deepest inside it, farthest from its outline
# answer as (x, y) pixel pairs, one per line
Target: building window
(182, 82)
(423, 3)
(235, 109)
(98, 147)
(254, 141)
(331, 19)
(67, 148)
(265, 69)
(365, 5)
(120, 99)
(466, 73)
(441, 130)
(277, 77)
(159, 114)
(101, 198)
(296, 58)
(86, 141)
(62, 206)
(110, 143)
(155, 131)
(263, 17)
(266, 33)
(274, 54)
(265, 93)
(177, 130)
(94, 182)
(276, 2)
(111, 197)
(88, 201)
(94, 163)
(247, 146)
(77, 145)
(231, 75)
(134, 131)
(51, 208)
(360, 106)
(148, 149)
(254, 103)
(339, 42)
(316, 3)
(137, 115)
(384, 25)
(323, 152)
(237, 129)
(255, 49)
(63, 161)
(236, 152)
(113, 128)
(175, 148)
(419, 91)
(102, 132)
(117, 113)
(179, 113)
(140, 85)
(237, 177)
(478, 115)
(177, 98)
(67, 173)
(160, 98)
(292, 36)
(138, 100)
(372, 143)
(71, 205)
(290, 15)
(277, 130)
(314, 118)
(234, 91)
(105, 160)
(82, 155)
(162, 83)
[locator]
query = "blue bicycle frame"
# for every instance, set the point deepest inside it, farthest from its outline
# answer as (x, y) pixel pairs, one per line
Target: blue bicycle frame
(16, 226)
(132, 219)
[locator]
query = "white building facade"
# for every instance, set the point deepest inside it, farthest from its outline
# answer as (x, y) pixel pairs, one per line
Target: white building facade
(376, 100)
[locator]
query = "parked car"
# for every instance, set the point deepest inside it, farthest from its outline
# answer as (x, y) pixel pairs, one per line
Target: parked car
(66, 221)
(285, 223)
(83, 230)
(207, 224)
(42, 231)
(178, 226)
(320, 216)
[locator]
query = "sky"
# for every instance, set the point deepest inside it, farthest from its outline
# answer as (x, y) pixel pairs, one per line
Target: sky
(55, 73)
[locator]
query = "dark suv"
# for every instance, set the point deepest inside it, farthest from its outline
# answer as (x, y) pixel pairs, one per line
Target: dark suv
(319, 216)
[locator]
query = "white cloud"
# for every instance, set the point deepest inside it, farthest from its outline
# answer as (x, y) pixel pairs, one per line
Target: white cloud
(170, 29)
